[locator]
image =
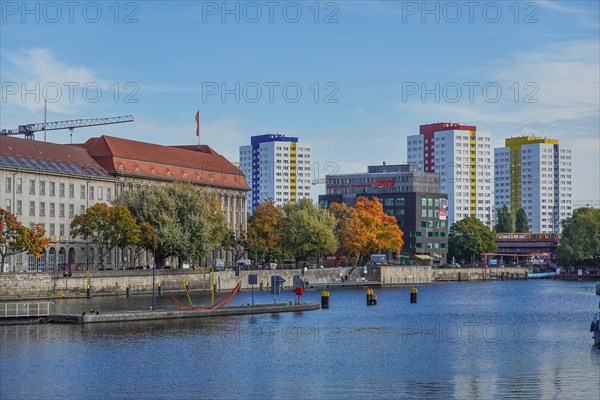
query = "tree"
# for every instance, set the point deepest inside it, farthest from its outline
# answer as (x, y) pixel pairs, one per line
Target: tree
(580, 238)
(366, 229)
(308, 229)
(265, 227)
(505, 223)
(236, 243)
(186, 223)
(15, 238)
(470, 238)
(521, 222)
(106, 226)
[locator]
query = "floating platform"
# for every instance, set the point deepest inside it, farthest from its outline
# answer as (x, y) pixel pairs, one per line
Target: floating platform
(150, 315)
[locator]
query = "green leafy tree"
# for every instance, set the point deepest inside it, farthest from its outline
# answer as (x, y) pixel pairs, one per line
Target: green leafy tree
(236, 243)
(580, 238)
(186, 223)
(308, 230)
(470, 238)
(265, 227)
(505, 223)
(15, 238)
(521, 221)
(106, 226)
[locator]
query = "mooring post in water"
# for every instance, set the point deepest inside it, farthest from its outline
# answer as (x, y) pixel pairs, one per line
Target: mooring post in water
(127, 292)
(324, 299)
(413, 295)
(598, 288)
(159, 289)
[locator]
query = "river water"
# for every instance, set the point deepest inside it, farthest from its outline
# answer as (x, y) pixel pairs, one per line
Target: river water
(486, 340)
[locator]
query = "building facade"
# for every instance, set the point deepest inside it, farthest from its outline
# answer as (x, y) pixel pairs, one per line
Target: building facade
(534, 173)
(48, 184)
(276, 167)
(412, 196)
(463, 159)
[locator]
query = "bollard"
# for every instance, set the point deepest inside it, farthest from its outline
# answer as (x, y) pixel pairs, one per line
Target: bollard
(371, 298)
(159, 289)
(127, 292)
(598, 288)
(413, 295)
(88, 291)
(324, 299)
(261, 285)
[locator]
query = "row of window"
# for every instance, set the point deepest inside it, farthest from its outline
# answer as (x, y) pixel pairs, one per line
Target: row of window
(41, 187)
(41, 211)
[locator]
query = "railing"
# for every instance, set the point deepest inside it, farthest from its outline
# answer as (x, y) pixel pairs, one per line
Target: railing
(24, 310)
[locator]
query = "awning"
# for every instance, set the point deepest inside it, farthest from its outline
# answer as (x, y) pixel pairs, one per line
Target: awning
(422, 257)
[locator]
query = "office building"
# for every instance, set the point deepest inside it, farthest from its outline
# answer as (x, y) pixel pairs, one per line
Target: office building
(277, 168)
(534, 173)
(463, 159)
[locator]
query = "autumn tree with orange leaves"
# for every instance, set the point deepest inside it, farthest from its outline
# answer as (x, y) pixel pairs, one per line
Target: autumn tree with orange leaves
(365, 229)
(16, 238)
(265, 229)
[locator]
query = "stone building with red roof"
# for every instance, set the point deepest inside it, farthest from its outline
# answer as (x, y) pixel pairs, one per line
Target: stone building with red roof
(63, 180)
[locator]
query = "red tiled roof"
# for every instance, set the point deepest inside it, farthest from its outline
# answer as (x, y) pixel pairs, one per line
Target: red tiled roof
(38, 151)
(182, 163)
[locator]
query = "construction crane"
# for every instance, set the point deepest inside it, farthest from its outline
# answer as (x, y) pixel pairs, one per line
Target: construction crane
(30, 129)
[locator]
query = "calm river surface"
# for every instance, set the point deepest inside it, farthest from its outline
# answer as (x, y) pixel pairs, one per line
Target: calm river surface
(489, 340)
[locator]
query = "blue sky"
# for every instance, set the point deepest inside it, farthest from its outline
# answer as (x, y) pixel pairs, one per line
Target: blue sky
(369, 72)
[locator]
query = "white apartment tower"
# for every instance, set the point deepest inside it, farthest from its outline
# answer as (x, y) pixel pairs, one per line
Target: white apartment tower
(534, 173)
(463, 158)
(276, 167)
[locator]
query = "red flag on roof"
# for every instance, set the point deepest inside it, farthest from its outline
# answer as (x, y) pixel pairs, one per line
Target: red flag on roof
(198, 123)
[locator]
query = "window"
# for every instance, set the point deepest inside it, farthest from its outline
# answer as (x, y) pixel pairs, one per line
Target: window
(8, 206)
(61, 189)
(8, 184)
(42, 209)
(423, 213)
(82, 209)
(82, 192)
(31, 186)
(52, 189)
(52, 230)
(62, 230)
(91, 193)
(19, 207)
(19, 185)
(42, 188)
(71, 191)
(400, 201)
(61, 210)
(424, 202)
(108, 194)
(52, 209)
(32, 208)
(71, 210)
(100, 192)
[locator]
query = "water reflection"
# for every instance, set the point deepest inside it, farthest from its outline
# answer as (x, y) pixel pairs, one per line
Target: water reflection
(488, 340)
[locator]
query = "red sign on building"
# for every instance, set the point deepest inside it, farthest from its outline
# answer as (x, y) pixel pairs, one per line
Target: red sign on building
(381, 183)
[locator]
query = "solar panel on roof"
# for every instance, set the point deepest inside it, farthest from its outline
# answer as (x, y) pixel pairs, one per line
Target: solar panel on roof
(4, 162)
(75, 168)
(38, 166)
(55, 166)
(45, 164)
(66, 168)
(15, 162)
(26, 162)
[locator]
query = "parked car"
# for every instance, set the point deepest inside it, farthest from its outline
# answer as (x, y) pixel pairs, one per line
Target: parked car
(244, 262)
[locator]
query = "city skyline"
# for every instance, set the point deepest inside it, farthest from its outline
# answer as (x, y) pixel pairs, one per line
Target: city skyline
(363, 90)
